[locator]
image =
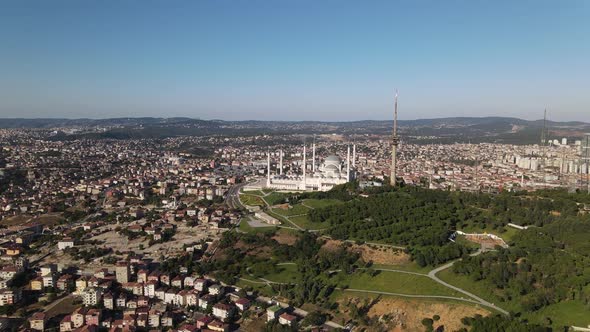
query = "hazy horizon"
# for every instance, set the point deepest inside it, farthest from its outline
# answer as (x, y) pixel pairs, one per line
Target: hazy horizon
(299, 61)
(308, 120)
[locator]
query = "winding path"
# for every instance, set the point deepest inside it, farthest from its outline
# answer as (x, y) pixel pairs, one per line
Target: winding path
(432, 275)
(411, 295)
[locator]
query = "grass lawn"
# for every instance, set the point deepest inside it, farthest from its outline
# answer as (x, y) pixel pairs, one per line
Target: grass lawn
(288, 231)
(395, 282)
(283, 220)
(263, 288)
(66, 305)
(275, 198)
(287, 273)
(244, 227)
(320, 203)
(565, 313)
(295, 210)
(251, 200)
(340, 294)
(480, 289)
(252, 192)
(411, 267)
(304, 222)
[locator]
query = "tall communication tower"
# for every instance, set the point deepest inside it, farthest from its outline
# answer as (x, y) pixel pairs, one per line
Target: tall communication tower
(585, 163)
(544, 130)
(394, 144)
(543, 144)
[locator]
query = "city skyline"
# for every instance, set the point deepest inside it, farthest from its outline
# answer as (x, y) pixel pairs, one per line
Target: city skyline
(305, 61)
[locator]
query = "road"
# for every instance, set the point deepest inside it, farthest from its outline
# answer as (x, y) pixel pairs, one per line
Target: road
(432, 275)
(232, 198)
(410, 295)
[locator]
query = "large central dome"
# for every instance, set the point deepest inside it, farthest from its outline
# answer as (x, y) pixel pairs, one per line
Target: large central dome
(333, 159)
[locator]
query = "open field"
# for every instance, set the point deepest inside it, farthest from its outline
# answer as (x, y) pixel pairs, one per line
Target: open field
(275, 198)
(287, 274)
(45, 220)
(248, 283)
(252, 192)
(319, 203)
(478, 288)
(563, 314)
(407, 314)
(286, 236)
(410, 267)
(303, 222)
(291, 211)
(395, 282)
(63, 306)
(378, 254)
(251, 200)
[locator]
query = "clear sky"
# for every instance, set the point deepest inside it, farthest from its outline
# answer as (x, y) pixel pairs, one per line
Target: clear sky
(294, 59)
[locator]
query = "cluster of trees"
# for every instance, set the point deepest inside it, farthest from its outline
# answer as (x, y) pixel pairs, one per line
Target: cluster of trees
(313, 263)
(423, 219)
(343, 192)
(88, 254)
(537, 270)
(172, 265)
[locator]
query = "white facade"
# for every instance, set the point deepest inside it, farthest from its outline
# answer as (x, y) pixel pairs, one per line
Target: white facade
(91, 296)
(62, 245)
(330, 173)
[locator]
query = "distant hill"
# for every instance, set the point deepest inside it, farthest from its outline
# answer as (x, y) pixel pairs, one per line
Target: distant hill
(441, 130)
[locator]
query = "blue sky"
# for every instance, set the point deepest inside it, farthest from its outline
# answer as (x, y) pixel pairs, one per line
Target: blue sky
(294, 60)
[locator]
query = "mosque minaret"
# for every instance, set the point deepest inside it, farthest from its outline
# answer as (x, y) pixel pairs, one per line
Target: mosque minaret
(332, 172)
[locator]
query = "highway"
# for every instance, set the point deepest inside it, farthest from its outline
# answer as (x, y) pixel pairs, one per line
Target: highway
(232, 198)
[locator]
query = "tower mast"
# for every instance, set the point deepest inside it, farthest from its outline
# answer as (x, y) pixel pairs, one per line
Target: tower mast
(281, 163)
(268, 168)
(313, 156)
(543, 152)
(394, 143)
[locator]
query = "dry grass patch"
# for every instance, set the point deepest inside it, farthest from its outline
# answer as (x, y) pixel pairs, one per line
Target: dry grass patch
(285, 238)
(378, 254)
(407, 314)
(382, 254)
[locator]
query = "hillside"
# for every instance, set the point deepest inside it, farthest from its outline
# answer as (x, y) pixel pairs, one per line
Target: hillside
(421, 131)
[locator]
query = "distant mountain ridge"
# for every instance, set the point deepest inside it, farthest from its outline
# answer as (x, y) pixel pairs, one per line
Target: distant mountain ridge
(421, 131)
(139, 121)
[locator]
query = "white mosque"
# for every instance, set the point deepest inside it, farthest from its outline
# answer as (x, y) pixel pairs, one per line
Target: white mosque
(330, 173)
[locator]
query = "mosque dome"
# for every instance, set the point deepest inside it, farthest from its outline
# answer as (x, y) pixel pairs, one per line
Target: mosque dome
(333, 160)
(331, 167)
